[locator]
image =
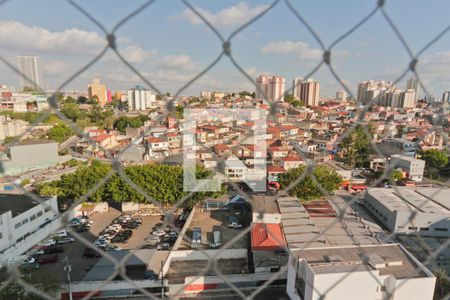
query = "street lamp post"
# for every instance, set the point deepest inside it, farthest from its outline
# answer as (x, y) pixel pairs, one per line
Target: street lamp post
(68, 269)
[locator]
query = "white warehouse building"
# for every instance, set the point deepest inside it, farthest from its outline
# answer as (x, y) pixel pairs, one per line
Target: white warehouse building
(407, 211)
(386, 271)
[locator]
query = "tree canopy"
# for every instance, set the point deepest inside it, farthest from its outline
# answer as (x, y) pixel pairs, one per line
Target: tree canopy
(60, 132)
(434, 158)
(356, 147)
(161, 182)
(306, 189)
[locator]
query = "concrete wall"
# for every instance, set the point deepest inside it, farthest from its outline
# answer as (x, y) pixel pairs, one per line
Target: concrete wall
(100, 207)
(267, 218)
(414, 289)
(349, 286)
(134, 206)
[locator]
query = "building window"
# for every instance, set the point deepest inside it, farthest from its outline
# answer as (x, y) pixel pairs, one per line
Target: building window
(32, 217)
(400, 227)
(424, 229)
(48, 208)
(440, 229)
(17, 225)
(25, 221)
(412, 228)
(39, 213)
(1, 235)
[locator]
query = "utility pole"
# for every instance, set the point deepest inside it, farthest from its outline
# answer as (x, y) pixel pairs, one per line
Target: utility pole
(68, 269)
(162, 280)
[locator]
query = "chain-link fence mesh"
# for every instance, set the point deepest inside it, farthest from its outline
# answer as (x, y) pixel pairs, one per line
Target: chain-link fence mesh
(345, 214)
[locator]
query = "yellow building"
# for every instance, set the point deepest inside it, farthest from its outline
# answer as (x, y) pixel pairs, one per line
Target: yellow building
(99, 90)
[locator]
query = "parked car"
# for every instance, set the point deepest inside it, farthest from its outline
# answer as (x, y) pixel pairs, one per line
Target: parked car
(153, 240)
(159, 232)
(131, 225)
(49, 242)
(112, 248)
(61, 234)
(233, 222)
(163, 246)
(89, 252)
(196, 235)
(29, 266)
(100, 243)
(48, 259)
(171, 234)
(149, 274)
(54, 249)
(65, 240)
(75, 222)
(83, 228)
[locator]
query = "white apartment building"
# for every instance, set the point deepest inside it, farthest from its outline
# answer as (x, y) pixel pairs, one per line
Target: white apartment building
(413, 84)
(341, 95)
(310, 92)
(413, 167)
(408, 99)
(369, 89)
(30, 66)
(141, 99)
(24, 222)
(407, 211)
(270, 88)
(385, 271)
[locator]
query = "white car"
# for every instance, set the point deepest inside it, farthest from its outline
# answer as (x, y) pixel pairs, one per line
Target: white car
(159, 232)
(112, 248)
(66, 240)
(49, 242)
(171, 234)
(100, 243)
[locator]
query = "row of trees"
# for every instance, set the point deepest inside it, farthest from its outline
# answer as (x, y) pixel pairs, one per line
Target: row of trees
(123, 122)
(307, 189)
(162, 182)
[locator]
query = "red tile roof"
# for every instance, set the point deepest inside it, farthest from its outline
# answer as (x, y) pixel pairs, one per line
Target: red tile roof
(101, 137)
(275, 169)
(267, 237)
(153, 139)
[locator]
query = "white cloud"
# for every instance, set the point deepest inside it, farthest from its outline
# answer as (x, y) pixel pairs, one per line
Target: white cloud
(230, 16)
(179, 62)
(133, 54)
(55, 67)
(18, 36)
(301, 49)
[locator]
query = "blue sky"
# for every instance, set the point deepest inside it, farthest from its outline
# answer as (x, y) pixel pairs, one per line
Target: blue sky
(169, 45)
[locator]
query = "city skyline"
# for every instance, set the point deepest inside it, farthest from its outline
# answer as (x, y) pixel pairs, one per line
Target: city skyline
(260, 49)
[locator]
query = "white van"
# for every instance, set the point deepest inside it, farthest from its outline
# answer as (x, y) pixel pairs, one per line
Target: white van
(61, 234)
(217, 240)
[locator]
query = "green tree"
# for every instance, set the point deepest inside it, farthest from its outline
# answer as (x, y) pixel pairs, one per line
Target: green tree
(434, 158)
(442, 288)
(72, 111)
(179, 111)
(60, 132)
(307, 189)
(162, 182)
(356, 147)
(396, 175)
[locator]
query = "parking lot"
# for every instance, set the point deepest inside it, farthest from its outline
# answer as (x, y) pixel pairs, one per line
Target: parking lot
(215, 220)
(80, 265)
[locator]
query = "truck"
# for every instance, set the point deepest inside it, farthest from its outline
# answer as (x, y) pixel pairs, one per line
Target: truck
(217, 241)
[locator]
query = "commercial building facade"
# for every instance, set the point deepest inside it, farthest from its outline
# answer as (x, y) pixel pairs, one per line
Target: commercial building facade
(413, 167)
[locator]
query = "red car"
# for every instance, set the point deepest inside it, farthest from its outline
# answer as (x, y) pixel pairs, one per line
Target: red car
(47, 259)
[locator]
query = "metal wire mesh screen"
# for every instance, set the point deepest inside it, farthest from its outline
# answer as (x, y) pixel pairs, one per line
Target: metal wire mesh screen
(213, 266)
